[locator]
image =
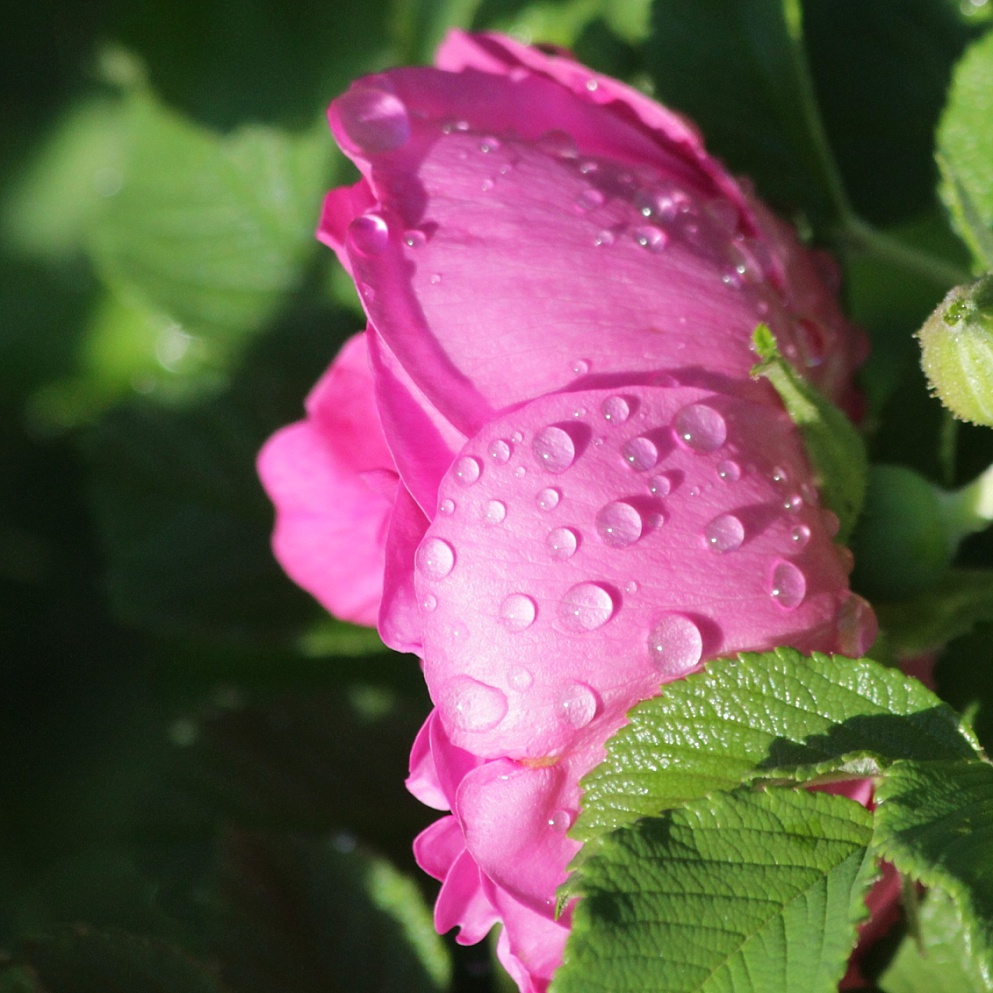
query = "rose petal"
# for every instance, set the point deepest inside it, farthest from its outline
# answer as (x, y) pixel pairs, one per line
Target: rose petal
(399, 613)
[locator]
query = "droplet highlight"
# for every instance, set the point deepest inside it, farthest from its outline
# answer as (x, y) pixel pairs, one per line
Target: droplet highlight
(800, 536)
(553, 449)
(619, 524)
(660, 485)
(368, 234)
(562, 543)
(724, 533)
(499, 451)
(495, 512)
(374, 120)
(585, 607)
(517, 612)
(577, 705)
(435, 558)
(675, 645)
(548, 498)
(729, 471)
(467, 470)
(446, 507)
(615, 409)
(700, 428)
(641, 453)
(471, 705)
(788, 586)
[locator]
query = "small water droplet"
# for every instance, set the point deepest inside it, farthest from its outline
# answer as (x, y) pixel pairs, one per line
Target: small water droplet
(561, 820)
(651, 237)
(589, 199)
(631, 587)
(518, 612)
(471, 705)
(374, 120)
(489, 144)
(641, 453)
(577, 705)
(516, 438)
(780, 476)
(615, 409)
(487, 184)
(496, 511)
(553, 449)
(446, 507)
(414, 238)
(729, 471)
(604, 238)
(655, 520)
(800, 536)
(520, 472)
(559, 144)
(700, 428)
(793, 503)
(724, 533)
(585, 607)
(548, 498)
(562, 543)
(435, 558)
(467, 470)
(448, 127)
(499, 450)
(435, 278)
(580, 367)
(789, 585)
(619, 524)
(660, 485)
(368, 234)
(520, 679)
(675, 645)
(429, 602)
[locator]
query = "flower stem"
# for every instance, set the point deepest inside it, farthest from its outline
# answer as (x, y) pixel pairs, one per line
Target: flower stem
(969, 509)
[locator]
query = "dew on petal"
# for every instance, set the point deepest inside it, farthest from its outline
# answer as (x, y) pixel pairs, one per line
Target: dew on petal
(585, 607)
(558, 144)
(374, 120)
(368, 234)
(489, 144)
(435, 278)
(729, 471)
(495, 512)
(651, 237)
(631, 587)
(580, 367)
(589, 199)
(435, 558)
(660, 485)
(793, 503)
(641, 453)
(553, 449)
(789, 585)
(429, 602)
(446, 507)
(700, 428)
(800, 536)
(780, 476)
(560, 820)
(615, 409)
(467, 470)
(675, 645)
(471, 705)
(562, 543)
(414, 238)
(520, 679)
(520, 472)
(499, 450)
(724, 533)
(604, 238)
(518, 612)
(577, 705)
(619, 524)
(548, 498)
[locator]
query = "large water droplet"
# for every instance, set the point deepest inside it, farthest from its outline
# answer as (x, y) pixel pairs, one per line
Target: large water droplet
(618, 524)
(518, 612)
(724, 533)
(496, 511)
(553, 449)
(368, 234)
(675, 645)
(471, 705)
(615, 409)
(729, 471)
(641, 453)
(660, 485)
(499, 450)
(789, 585)
(700, 428)
(435, 558)
(560, 821)
(562, 543)
(374, 120)
(585, 607)
(577, 705)
(548, 498)
(467, 470)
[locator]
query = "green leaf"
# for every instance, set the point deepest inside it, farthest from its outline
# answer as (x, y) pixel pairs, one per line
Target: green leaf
(833, 445)
(934, 822)
(739, 70)
(965, 150)
(740, 892)
(778, 714)
(211, 230)
(960, 600)
(940, 960)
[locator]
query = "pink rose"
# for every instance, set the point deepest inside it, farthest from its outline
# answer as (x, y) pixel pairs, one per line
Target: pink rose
(545, 458)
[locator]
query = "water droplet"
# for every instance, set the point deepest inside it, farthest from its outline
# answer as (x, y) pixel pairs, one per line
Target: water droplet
(435, 278)
(857, 627)
(516, 438)
(374, 120)
(548, 498)
(561, 820)
(520, 678)
(780, 476)
(435, 558)
(448, 127)
(518, 612)
(414, 238)
(429, 602)
(496, 511)
(489, 144)
(553, 449)
(618, 524)
(724, 533)
(641, 454)
(789, 585)
(655, 520)
(487, 184)
(675, 645)
(577, 705)
(467, 470)
(368, 234)
(651, 237)
(660, 485)
(585, 607)
(589, 199)
(604, 238)
(631, 587)
(793, 503)
(562, 543)
(471, 705)
(580, 367)
(446, 507)
(589, 166)
(729, 471)
(700, 428)
(499, 450)
(615, 409)
(520, 472)
(800, 536)
(558, 143)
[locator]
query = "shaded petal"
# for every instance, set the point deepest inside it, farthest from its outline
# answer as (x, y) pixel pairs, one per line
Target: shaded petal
(399, 614)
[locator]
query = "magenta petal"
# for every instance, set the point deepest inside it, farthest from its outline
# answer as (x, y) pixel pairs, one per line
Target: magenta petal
(438, 846)
(463, 902)
(437, 766)
(531, 945)
(399, 614)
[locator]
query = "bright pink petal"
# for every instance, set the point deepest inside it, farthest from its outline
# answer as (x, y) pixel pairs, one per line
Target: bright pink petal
(531, 945)
(437, 767)
(399, 614)
(332, 480)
